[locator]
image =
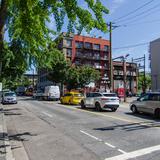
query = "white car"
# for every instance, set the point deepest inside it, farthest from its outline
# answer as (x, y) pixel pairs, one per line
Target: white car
(101, 101)
(147, 103)
(9, 98)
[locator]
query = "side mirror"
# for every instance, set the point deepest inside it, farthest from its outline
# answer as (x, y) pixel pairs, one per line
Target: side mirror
(138, 99)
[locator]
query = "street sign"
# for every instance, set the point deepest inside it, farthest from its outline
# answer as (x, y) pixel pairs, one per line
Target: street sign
(0, 86)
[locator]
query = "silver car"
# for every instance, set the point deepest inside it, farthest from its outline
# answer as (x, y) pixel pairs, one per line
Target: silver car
(148, 103)
(9, 98)
(100, 101)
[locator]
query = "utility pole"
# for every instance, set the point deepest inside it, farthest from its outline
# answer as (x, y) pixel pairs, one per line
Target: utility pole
(111, 62)
(144, 73)
(124, 78)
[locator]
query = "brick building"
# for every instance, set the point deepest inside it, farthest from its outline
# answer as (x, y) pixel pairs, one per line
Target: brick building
(91, 51)
(131, 76)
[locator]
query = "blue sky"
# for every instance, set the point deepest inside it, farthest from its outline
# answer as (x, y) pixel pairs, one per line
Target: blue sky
(141, 26)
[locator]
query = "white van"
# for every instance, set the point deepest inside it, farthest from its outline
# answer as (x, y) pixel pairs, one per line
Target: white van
(52, 93)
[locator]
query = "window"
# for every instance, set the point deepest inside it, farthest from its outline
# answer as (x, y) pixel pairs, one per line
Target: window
(78, 53)
(97, 95)
(106, 48)
(110, 95)
(67, 94)
(144, 98)
(88, 45)
(79, 44)
(69, 52)
(154, 97)
(96, 46)
(68, 43)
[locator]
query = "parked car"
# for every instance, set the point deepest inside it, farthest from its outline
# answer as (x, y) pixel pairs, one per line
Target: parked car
(39, 94)
(147, 103)
(51, 93)
(101, 101)
(71, 98)
(9, 98)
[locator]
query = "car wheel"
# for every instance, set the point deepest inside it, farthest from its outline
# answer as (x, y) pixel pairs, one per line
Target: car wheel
(113, 109)
(157, 113)
(83, 105)
(134, 109)
(69, 102)
(61, 101)
(98, 107)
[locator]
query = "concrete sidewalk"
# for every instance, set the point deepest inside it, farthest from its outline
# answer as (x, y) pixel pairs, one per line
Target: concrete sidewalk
(5, 148)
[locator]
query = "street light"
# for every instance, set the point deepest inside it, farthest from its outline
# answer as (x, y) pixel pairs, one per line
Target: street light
(123, 58)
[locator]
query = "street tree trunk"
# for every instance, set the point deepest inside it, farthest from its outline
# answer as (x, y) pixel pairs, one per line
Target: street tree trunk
(3, 17)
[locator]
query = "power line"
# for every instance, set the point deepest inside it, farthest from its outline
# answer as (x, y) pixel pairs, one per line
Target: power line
(132, 21)
(142, 13)
(143, 22)
(132, 46)
(132, 12)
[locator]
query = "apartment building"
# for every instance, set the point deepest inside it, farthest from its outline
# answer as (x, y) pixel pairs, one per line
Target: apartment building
(131, 76)
(91, 51)
(155, 64)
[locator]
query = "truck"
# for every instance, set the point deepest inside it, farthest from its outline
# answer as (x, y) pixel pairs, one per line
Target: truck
(51, 93)
(20, 90)
(48, 93)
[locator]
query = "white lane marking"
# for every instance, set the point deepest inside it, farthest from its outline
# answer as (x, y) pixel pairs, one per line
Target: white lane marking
(110, 145)
(122, 151)
(90, 135)
(135, 154)
(47, 114)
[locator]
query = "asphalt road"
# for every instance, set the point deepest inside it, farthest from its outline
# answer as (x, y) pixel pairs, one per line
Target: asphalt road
(41, 130)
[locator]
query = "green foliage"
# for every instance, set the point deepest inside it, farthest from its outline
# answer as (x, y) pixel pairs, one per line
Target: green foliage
(59, 68)
(12, 84)
(29, 36)
(141, 83)
(26, 22)
(79, 77)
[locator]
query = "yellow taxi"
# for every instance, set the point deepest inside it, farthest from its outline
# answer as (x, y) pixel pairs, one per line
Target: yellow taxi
(71, 98)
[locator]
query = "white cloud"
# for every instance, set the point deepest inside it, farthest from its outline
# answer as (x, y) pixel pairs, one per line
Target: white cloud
(116, 4)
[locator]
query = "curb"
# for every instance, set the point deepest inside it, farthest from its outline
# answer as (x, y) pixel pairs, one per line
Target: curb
(9, 154)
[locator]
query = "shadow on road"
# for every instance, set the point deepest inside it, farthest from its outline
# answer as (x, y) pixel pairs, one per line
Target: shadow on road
(21, 136)
(130, 126)
(10, 112)
(143, 115)
(94, 110)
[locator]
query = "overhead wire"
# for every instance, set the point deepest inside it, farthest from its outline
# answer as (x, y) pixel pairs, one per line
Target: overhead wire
(132, 12)
(132, 46)
(142, 13)
(142, 22)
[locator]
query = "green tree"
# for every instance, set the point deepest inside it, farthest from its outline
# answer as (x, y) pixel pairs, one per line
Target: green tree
(59, 67)
(79, 77)
(26, 24)
(141, 81)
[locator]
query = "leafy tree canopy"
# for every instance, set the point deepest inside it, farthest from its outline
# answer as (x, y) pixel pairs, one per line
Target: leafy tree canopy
(79, 77)
(141, 81)
(25, 21)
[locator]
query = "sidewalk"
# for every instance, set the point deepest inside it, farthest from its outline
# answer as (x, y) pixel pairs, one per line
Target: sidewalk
(5, 148)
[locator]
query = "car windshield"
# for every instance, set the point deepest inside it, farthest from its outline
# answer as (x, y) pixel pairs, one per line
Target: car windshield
(110, 95)
(78, 95)
(10, 94)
